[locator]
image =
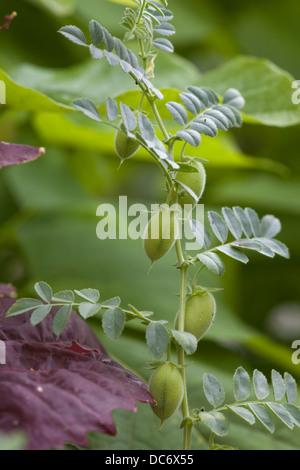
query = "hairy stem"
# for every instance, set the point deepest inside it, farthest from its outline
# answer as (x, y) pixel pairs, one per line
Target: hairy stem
(158, 118)
(194, 283)
(143, 55)
(180, 351)
(183, 291)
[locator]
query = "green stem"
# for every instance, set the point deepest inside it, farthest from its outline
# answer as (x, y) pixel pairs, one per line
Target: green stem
(183, 290)
(143, 55)
(158, 118)
(141, 11)
(141, 102)
(194, 283)
(182, 151)
(180, 351)
(211, 441)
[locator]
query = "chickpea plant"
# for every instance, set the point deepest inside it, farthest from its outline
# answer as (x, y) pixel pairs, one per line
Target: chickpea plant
(201, 111)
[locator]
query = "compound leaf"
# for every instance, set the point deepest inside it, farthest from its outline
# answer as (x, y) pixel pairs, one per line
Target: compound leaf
(260, 384)
(234, 98)
(44, 291)
(232, 222)
(233, 253)
(91, 295)
(163, 45)
(241, 384)
(270, 226)
(263, 416)
(96, 33)
(88, 108)
(23, 305)
(278, 385)
(282, 413)
(128, 117)
(74, 34)
(113, 322)
(61, 319)
(112, 109)
(291, 388)
(186, 340)
(191, 136)
(146, 128)
(191, 102)
(213, 262)
(243, 413)
(165, 29)
(39, 314)
(216, 422)
(87, 309)
(218, 226)
(157, 337)
(254, 221)
(178, 112)
(213, 390)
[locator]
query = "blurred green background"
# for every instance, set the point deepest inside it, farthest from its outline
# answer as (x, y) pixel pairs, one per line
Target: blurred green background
(48, 207)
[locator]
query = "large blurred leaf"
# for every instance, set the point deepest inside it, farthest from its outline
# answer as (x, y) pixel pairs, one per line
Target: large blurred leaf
(266, 88)
(26, 98)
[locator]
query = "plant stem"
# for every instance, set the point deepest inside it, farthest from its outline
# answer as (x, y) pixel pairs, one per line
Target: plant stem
(183, 290)
(141, 102)
(141, 11)
(180, 351)
(144, 57)
(194, 283)
(158, 118)
(182, 151)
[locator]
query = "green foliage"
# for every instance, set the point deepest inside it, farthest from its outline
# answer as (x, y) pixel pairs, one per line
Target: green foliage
(259, 233)
(265, 412)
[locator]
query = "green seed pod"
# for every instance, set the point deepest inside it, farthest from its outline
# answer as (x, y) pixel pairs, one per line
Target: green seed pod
(125, 146)
(194, 181)
(199, 313)
(166, 387)
(161, 232)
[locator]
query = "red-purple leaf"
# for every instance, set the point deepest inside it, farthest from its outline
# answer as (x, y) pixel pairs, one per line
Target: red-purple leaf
(8, 290)
(58, 388)
(12, 154)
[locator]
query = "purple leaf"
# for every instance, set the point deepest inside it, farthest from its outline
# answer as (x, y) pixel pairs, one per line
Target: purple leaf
(58, 388)
(12, 154)
(8, 290)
